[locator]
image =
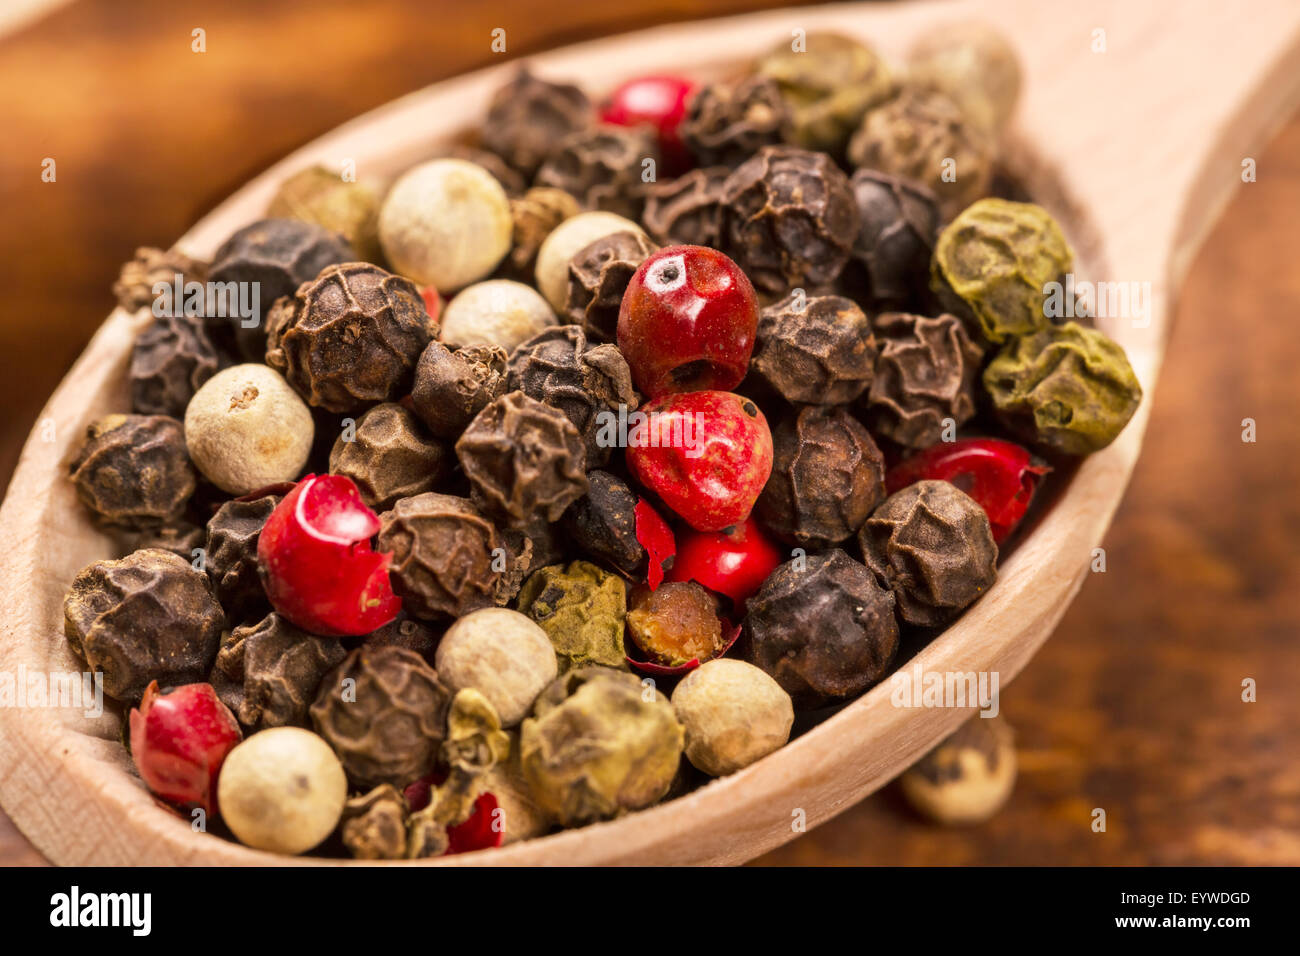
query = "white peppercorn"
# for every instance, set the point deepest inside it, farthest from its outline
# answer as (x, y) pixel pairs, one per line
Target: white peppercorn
(734, 714)
(497, 312)
(503, 655)
(564, 242)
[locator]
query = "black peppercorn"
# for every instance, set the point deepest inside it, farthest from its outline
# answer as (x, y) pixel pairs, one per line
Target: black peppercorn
(602, 524)
(524, 459)
(389, 456)
(231, 554)
(452, 387)
(822, 628)
(790, 219)
(932, 546)
(603, 167)
(172, 357)
(727, 122)
(134, 471)
(445, 555)
(350, 337)
(925, 378)
(558, 368)
(528, 116)
(407, 632)
(815, 351)
(687, 210)
(509, 178)
(598, 277)
(268, 673)
(149, 616)
(827, 475)
(900, 223)
(278, 255)
(384, 712)
(180, 536)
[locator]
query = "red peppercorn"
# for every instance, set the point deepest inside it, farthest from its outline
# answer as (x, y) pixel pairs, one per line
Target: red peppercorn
(1000, 475)
(316, 564)
(688, 322)
(659, 101)
(481, 831)
(179, 741)
(733, 563)
(432, 301)
(656, 537)
(707, 455)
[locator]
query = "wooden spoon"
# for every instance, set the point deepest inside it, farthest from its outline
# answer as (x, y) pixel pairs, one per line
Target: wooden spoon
(1135, 122)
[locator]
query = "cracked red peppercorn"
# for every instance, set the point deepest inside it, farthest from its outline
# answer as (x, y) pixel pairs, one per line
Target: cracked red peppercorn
(179, 741)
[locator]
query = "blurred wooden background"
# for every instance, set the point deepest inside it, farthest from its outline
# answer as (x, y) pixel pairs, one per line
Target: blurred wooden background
(1134, 705)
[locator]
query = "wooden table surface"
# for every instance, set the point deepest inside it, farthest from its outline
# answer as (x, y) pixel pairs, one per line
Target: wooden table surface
(1133, 706)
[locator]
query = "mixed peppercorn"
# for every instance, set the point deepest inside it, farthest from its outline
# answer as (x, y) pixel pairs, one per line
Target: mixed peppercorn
(719, 361)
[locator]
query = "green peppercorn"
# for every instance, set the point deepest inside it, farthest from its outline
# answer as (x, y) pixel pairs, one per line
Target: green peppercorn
(582, 609)
(828, 86)
(1067, 387)
(322, 196)
(974, 64)
(991, 263)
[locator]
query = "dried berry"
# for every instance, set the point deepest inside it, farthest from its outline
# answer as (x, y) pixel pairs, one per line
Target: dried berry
(525, 460)
(603, 167)
(374, 824)
(452, 387)
(147, 617)
(727, 122)
(733, 563)
(388, 720)
(445, 223)
(322, 196)
(509, 178)
(565, 240)
(528, 116)
(503, 655)
(390, 457)
(676, 623)
(598, 277)
(133, 470)
(900, 222)
(230, 555)
(733, 714)
(602, 524)
(172, 357)
(179, 741)
(559, 369)
(597, 746)
(582, 609)
(406, 632)
(498, 312)
(817, 351)
(991, 263)
(932, 546)
(268, 673)
(274, 257)
(134, 287)
(972, 63)
(246, 429)
(828, 85)
(180, 537)
(968, 777)
(925, 378)
(525, 552)
(535, 215)
(790, 218)
(822, 628)
(922, 135)
(350, 337)
(687, 210)
(827, 475)
(443, 555)
(1067, 387)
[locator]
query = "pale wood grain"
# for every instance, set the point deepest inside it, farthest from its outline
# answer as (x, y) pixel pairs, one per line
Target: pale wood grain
(1136, 149)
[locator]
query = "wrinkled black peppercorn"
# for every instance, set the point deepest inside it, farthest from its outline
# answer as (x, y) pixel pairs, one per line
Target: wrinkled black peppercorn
(406, 632)
(598, 277)
(149, 616)
(278, 255)
(603, 167)
(452, 387)
(900, 222)
(181, 537)
(389, 456)
(925, 378)
(558, 368)
(134, 471)
(528, 116)
(350, 337)
(388, 721)
(815, 351)
(727, 122)
(231, 555)
(932, 546)
(445, 555)
(172, 357)
(602, 524)
(822, 628)
(687, 210)
(268, 673)
(790, 219)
